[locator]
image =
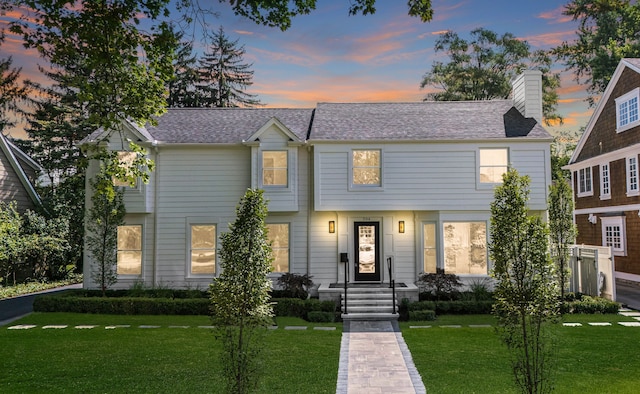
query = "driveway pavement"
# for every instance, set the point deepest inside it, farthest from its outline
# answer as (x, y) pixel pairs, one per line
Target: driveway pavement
(628, 295)
(14, 308)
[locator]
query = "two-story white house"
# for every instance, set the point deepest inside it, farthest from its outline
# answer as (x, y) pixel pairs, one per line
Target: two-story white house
(396, 189)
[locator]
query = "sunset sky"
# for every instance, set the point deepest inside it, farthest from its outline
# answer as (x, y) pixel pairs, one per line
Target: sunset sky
(328, 56)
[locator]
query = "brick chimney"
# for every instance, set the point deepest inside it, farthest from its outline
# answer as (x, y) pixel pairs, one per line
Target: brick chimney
(527, 94)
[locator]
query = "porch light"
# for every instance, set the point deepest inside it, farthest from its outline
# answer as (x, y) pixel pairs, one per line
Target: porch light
(401, 227)
(332, 226)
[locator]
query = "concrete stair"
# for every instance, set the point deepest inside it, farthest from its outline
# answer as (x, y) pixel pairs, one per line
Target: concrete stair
(374, 303)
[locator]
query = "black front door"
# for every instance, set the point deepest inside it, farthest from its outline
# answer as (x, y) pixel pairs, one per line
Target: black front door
(367, 245)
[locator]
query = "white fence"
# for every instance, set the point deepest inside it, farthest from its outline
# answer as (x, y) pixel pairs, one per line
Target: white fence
(592, 271)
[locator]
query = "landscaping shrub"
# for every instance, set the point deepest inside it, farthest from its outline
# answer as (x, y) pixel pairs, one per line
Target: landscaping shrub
(122, 305)
(321, 317)
(590, 305)
(452, 307)
(424, 315)
(440, 284)
(295, 307)
(295, 285)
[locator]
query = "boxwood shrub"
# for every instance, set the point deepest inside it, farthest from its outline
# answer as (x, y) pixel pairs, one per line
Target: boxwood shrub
(295, 307)
(422, 315)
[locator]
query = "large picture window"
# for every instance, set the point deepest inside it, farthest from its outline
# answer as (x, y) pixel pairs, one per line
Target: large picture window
(429, 247)
(627, 110)
(203, 249)
(465, 248)
(129, 256)
(279, 237)
(275, 168)
(493, 164)
(366, 167)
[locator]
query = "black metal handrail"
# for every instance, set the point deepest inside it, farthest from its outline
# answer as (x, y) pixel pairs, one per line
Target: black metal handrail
(392, 284)
(346, 280)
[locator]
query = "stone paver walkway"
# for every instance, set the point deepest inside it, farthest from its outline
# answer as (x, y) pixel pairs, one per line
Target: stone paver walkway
(375, 359)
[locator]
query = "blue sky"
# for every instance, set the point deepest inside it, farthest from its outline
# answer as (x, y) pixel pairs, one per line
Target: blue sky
(328, 56)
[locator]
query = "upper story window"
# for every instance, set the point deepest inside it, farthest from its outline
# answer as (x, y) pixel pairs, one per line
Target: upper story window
(129, 254)
(126, 159)
(494, 163)
(605, 182)
(275, 168)
(203, 250)
(366, 167)
(632, 176)
(613, 234)
(627, 110)
(585, 187)
(279, 237)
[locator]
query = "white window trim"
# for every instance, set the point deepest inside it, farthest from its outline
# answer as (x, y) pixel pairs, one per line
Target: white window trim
(199, 222)
(290, 170)
(615, 221)
(489, 185)
(630, 192)
(603, 195)
(142, 254)
(623, 99)
(585, 193)
(366, 188)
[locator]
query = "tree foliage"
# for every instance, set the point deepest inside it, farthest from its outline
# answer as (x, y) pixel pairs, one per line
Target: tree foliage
(11, 91)
(181, 87)
(105, 215)
(526, 290)
(223, 77)
(482, 69)
(562, 229)
(607, 32)
(240, 301)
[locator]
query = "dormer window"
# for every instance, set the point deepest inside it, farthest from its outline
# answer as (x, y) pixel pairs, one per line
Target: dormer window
(274, 168)
(627, 110)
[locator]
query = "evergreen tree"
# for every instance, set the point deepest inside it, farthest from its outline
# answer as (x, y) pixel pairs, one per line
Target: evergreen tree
(11, 91)
(240, 302)
(182, 87)
(223, 75)
(482, 69)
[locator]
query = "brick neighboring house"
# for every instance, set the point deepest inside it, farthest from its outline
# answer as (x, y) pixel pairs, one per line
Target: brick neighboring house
(18, 173)
(604, 170)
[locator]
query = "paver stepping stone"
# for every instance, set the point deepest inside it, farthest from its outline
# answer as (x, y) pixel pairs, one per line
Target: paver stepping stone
(480, 325)
(55, 326)
(22, 327)
(295, 327)
(324, 328)
(452, 326)
(272, 327)
(85, 327)
(630, 313)
(630, 323)
(117, 326)
(147, 326)
(419, 326)
(178, 326)
(206, 326)
(600, 324)
(572, 324)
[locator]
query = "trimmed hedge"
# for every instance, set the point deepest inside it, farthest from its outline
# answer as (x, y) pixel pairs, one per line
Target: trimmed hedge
(591, 305)
(295, 307)
(452, 307)
(122, 305)
(321, 317)
(422, 315)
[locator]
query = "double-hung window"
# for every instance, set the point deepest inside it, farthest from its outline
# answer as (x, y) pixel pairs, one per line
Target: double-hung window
(202, 249)
(605, 182)
(366, 167)
(627, 110)
(279, 237)
(613, 234)
(632, 176)
(129, 253)
(275, 168)
(126, 160)
(494, 162)
(585, 187)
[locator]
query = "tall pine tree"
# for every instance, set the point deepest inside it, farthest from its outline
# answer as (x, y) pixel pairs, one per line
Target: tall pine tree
(182, 87)
(11, 91)
(224, 76)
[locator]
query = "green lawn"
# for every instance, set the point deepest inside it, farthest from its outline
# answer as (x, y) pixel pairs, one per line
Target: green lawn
(184, 360)
(589, 359)
(159, 360)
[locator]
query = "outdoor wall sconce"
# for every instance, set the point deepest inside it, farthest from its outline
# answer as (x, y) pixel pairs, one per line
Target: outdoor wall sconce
(593, 219)
(401, 227)
(332, 227)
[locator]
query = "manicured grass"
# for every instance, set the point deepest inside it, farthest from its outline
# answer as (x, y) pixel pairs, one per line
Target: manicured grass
(588, 359)
(159, 360)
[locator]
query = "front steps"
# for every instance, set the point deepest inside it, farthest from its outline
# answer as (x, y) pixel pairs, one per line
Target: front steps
(374, 303)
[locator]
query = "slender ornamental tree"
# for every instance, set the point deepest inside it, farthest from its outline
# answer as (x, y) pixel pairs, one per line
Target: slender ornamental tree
(607, 32)
(562, 229)
(223, 75)
(482, 69)
(240, 301)
(526, 290)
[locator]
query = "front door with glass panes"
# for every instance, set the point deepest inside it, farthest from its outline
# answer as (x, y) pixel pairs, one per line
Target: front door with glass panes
(367, 254)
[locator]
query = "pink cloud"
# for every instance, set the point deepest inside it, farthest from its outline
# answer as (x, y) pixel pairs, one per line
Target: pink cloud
(550, 39)
(443, 11)
(555, 16)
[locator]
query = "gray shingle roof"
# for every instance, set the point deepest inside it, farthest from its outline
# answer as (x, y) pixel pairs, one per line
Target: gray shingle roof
(225, 125)
(443, 120)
